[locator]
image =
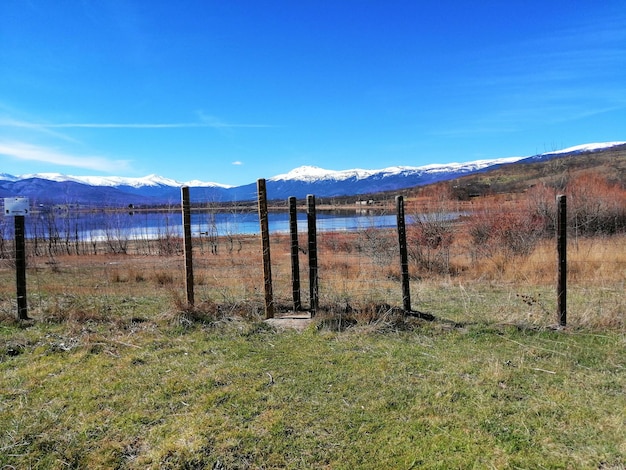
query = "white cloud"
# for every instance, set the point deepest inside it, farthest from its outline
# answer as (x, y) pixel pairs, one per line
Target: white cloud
(24, 151)
(237, 163)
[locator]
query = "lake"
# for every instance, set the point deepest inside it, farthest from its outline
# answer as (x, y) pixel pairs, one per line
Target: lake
(101, 225)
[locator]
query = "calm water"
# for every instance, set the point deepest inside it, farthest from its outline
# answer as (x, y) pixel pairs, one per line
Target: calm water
(148, 225)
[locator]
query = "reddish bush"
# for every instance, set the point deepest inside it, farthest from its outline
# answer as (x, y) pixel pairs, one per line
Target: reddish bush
(595, 206)
(513, 232)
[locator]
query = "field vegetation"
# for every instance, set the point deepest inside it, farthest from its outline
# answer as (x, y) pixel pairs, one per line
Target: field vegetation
(115, 370)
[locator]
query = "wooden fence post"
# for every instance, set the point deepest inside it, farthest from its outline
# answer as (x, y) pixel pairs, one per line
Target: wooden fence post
(404, 260)
(295, 260)
(187, 245)
(313, 274)
(20, 267)
(562, 259)
(265, 242)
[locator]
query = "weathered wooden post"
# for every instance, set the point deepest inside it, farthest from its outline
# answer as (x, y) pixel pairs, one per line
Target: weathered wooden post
(562, 259)
(186, 208)
(404, 260)
(20, 267)
(17, 207)
(265, 242)
(313, 274)
(295, 261)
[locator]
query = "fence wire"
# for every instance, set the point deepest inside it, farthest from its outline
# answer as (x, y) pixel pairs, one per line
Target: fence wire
(358, 266)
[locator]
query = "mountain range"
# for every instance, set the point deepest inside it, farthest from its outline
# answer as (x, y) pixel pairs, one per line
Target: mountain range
(54, 188)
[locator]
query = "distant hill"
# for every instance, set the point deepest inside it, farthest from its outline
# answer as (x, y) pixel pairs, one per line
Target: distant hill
(472, 178)
(553, 169)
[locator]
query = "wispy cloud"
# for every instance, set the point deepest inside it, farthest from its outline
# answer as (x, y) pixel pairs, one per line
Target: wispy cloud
(237, 163)
(13, 123)
(24, 151)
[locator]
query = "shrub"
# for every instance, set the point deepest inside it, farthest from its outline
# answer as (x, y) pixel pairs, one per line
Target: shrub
(378, 245)
(429, 239)
(512, 233)
(595, 206)
(431, 234)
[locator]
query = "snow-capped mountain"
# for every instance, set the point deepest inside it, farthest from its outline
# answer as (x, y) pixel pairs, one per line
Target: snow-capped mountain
(55, 188)
(113, 181)
(312, 173)
(577, 149)
(586, 148)
(328, 183)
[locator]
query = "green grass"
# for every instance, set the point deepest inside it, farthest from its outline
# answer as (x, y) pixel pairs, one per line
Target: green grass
(154, 390)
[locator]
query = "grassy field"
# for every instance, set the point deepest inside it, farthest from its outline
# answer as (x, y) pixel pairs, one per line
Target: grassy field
(134, 382)
(115, 371)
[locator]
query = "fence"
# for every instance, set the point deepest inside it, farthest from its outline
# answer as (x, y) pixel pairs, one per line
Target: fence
(318, 267)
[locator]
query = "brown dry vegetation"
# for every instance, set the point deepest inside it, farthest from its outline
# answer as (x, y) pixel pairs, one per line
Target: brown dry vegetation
(359, 272)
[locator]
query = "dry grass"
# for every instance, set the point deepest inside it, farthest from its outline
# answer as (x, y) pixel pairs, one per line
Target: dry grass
(351, 276)
(591, 261)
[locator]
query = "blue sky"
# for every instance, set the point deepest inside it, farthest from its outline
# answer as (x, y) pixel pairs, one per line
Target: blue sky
(231, 91)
